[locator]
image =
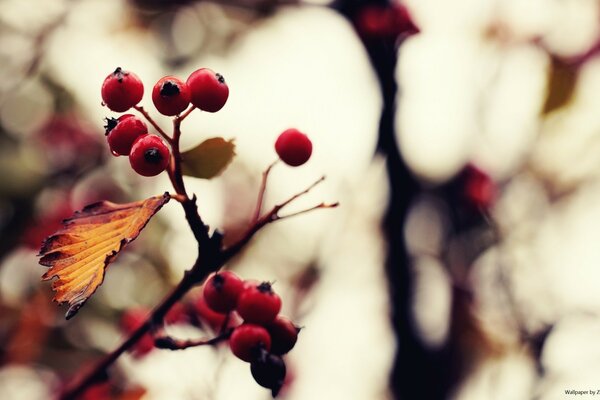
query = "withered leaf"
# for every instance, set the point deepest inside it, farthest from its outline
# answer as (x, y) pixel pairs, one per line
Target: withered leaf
(79, 253)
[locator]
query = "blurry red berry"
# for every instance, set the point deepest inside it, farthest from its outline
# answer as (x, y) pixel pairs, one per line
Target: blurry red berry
(207, 315)
(258, 304)
(248, 340)
(284, 335)
(122, 90)
(170, 96)
(122, 132)
(293, 147)
(479, 190)
(208, 90)
(131, 320)
(149, 155)
(221, 291)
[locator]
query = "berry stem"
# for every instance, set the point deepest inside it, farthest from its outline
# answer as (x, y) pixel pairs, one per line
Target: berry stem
(162, 133)
(185, 114)
(261, 191)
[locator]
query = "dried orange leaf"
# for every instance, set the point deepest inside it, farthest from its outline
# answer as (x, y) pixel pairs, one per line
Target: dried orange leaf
(91, 239)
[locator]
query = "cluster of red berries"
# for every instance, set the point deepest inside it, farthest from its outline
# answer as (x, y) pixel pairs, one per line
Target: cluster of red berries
(128, 135)
(248, 310)
(264, 336)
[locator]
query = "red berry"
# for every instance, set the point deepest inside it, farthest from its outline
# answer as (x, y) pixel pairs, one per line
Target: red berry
(149, 155)
(480, 191)
(258, 304)
(293, 147)
(248, 340)
(221, 291)
(170, 95)
(122, 132)
(284, 335)
(208, 90)
(122, 90)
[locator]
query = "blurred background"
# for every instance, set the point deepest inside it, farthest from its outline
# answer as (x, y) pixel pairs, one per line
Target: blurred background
(461, 138)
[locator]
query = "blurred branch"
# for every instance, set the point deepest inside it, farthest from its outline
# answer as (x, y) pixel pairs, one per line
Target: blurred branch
(171, 343)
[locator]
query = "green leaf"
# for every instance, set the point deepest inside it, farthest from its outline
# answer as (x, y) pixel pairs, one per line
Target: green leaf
(208, 159)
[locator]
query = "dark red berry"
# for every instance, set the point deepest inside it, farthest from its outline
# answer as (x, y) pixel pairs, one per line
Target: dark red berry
(284, 335)
(170, 95)
(208, 90)
(122, 90)
(258, 304)
(268, 370)
(149, 155)
(131, 320)
(122, 132)
(221, 291)
(293, 147)
(248, 340)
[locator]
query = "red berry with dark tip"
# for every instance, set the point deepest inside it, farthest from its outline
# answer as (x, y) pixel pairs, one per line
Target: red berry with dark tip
(284, 335)
(122, 90)
(293, 147)
(170, 96)
(248, 340)
(258, 304)
(122, 132)
(221, 291)
(208, 90)
(149, 155)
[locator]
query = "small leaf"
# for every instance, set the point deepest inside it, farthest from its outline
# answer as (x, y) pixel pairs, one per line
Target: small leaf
(208, 159)
(91, 239)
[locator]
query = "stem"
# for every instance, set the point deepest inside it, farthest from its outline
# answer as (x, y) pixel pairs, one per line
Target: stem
(185, 114)
(162, 133)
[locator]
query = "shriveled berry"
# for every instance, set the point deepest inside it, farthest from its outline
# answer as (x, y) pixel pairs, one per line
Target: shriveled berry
(268, 370)
(221, 291)
(293, 147)
(170, 95)
(122, 90)
(149, 155)
(284, 335)
(258, 304)
(208, 90)
(122, 132)
(247, 341)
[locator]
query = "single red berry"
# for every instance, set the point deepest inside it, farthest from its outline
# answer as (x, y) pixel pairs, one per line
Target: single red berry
(122, 132)
(247, 341)
(258, 304)
(149, 155)
(221, 291)
(293, 147)
(284, 335)
(208, 90)
(122, 90)
(170, 95)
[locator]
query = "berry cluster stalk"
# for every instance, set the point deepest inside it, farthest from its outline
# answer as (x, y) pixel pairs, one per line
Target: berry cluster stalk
(211, 256)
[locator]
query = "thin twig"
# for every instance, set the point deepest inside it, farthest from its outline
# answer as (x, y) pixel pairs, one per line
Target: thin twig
(318, 206)
(162, 133)
(261, 191)
(171, 343)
